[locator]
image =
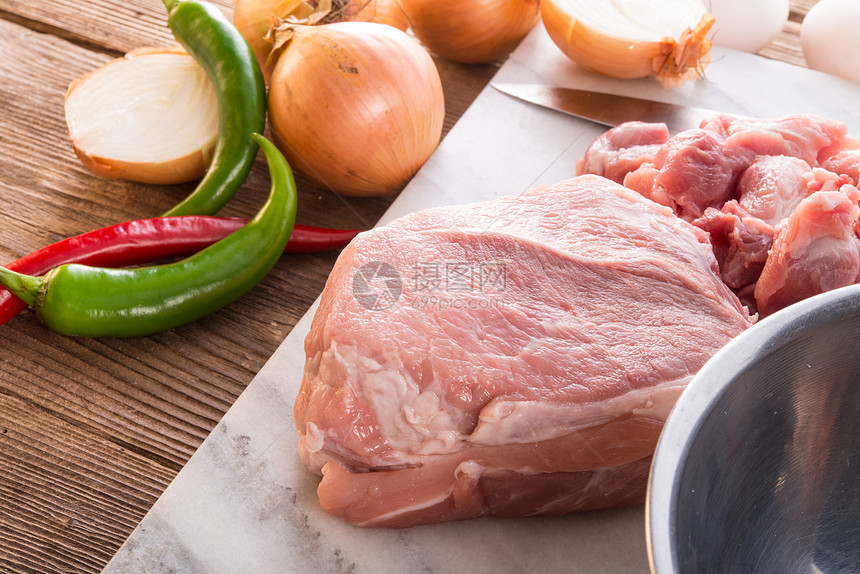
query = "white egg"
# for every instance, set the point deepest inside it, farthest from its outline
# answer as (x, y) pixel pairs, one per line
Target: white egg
(830, 38)
(747, 25)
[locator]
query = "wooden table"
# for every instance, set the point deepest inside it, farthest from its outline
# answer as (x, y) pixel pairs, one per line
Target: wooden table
(93, 430)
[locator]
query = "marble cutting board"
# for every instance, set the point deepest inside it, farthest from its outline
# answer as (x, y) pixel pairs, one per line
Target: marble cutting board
(245, 504)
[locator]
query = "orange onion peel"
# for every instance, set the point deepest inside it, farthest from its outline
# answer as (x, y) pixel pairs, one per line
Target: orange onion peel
(473, 32)
(380, 11)
(356, 107)
(150, 116)
(629, 39)
(255, 18)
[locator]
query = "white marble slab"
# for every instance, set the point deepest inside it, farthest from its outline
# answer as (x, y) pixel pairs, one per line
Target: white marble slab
(245, 504)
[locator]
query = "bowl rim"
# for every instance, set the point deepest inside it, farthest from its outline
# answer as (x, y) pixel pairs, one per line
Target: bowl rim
(708, 386)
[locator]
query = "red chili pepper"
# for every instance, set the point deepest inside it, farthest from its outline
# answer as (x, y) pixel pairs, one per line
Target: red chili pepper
(148, 240)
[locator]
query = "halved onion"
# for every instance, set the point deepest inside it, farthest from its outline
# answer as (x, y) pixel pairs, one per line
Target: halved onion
(150, 116)
(633, 39)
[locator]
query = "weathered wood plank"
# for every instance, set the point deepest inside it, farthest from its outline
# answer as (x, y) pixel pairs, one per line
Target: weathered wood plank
(786, 46)
(63, 505)
(104, 25)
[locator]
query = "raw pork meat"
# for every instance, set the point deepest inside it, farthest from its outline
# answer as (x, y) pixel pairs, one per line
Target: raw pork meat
(740, 180)
(814, 250)
(701, 167)
(741, 242)
(522, 361)
(691, 172)
(772, 187)
(807, 136)
(742, 230)
(846, 162)
(623, 149)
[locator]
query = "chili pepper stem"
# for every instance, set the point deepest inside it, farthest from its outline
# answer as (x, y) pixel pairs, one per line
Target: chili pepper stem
(25, 287)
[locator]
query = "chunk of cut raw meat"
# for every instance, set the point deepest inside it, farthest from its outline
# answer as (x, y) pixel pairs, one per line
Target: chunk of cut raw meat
(741, 242)
(701, 167)
(814, 250)
(739, 179)
(691, 172)
(809, 137)
(524, 362)
(772, 187)
(623, 149)
(846, 162)
(820, 179)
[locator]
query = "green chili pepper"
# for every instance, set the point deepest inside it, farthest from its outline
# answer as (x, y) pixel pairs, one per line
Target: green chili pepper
(216, 44)
(98, 302)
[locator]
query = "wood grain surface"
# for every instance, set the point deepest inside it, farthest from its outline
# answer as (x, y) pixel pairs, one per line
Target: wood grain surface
(93, 430)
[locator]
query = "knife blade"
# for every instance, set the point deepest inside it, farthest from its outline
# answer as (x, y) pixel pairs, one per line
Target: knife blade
(606, 109)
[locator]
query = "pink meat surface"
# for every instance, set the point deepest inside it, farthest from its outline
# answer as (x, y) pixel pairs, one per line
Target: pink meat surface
(741, 242)
(523, 360)
(700, 168)
(846, 162)
(691, 172)
(814, 250)
(809, 137)
(622, 149)
(772, 187)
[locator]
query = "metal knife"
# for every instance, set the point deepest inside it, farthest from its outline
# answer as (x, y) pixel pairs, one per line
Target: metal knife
(607, 109)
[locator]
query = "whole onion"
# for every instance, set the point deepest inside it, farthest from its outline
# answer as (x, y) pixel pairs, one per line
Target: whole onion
(355, 106)
(254, 18)
(473, 31)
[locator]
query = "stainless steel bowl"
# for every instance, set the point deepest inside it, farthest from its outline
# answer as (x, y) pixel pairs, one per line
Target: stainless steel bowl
(758, 467)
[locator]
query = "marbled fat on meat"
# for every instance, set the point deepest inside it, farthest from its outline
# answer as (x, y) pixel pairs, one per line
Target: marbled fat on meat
(846, 162)
(542, 391)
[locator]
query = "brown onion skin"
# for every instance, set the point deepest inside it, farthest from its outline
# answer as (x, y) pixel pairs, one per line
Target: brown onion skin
(380, 11)
(356, 107)
(471, 31)
(254, 18)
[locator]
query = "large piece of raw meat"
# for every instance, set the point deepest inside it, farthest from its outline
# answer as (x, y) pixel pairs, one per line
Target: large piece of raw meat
(514, 357)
